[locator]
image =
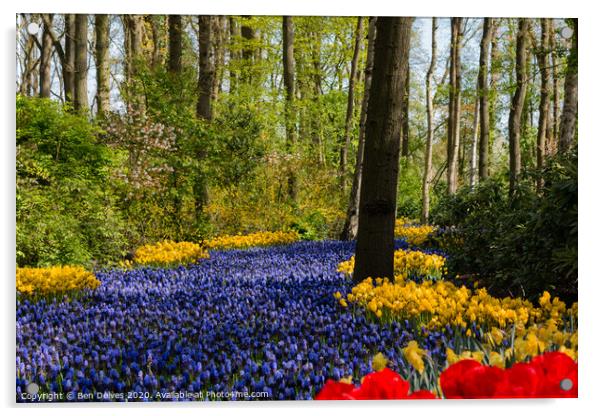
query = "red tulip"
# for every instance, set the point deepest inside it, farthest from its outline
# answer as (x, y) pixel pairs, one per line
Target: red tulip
(383, 385)
(336, 390)
(520, 381)
(558, 370)
(422, 395)
(452, 378)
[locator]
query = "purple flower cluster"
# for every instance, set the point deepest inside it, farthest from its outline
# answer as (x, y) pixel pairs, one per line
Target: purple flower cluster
(261, 320)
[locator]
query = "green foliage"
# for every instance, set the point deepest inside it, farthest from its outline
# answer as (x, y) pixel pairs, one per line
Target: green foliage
(65, 211)
(521, 245)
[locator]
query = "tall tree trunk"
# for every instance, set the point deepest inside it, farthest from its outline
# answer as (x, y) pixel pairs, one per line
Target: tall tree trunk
(543, 61)
(219, 43)
(175, 44)
(69, 61)
(453, 128)
(405, 114)
(569, 108)
(101, 23)
(206, 68)
(494, 64)
(553, 145)
(483, 95)
(46, 58)
(81, 62)
(474, 144)
(234, 55)
(151, 20)
(133, 27)
(374, 252)
(316, 83)
(249, 50)
(428, 153)
(351, 219)
(359, 33)
(288, 59)
(518, 102)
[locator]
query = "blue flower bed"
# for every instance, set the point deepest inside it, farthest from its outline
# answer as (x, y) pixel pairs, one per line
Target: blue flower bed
(260, 320)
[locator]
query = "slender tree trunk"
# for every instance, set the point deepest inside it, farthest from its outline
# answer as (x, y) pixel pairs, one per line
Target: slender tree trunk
(249, 50)
(483, 96)
(351, 219)
(206, 68)
(175, 44)
(543, 60)
(46, 58)
(474, 145)
(518, 102)
(494, 64)
(133, 27)
(553, 146)
(156, 59)
(405, 114)
(234, 55)
(374, 252)
(453, 129)
(69, 62)
(218, 43)
(359, 33)
(316, 113)
(568, 120)
(102, 63)
(81, 62)
(26, 87)
(428, 153)
(288, 59)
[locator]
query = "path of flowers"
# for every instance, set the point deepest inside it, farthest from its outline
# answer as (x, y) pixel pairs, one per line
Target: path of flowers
(258, 320)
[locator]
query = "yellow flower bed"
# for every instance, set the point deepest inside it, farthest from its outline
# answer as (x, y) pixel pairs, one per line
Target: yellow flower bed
(408, 263)
(413, 234)
(54, 280)
(263, 238)
(534, 329)
(168, 253)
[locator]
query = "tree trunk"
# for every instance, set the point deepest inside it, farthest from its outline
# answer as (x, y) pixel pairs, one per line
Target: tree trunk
(359, 33)
(206, 69)
(156, 59)
(249, 49)
(69, 61)
(102, 63)
(518, 102)
(175, 44)
(428, 153)
(483, 96)
(351, 219)
(569, 108)
(453, 128)
(553, 144)
(45, 58)
(474, 145)
(374, 252)
(81, 62)
(543, 61)
(405, 114)
(494, 64)
(218, 42)
(289, 86)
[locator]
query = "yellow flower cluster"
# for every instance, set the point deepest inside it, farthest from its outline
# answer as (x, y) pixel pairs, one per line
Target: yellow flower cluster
(263, 238)
(54, 280)
(413, 234)
(408, 263)
(437, 304)
(168, 253)
(413, 354)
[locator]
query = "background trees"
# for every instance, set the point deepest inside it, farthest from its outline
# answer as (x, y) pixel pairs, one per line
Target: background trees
(226, 124)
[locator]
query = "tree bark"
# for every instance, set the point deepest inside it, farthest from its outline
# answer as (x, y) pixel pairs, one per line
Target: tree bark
(543, 61)
(101, 23)
(428, 153)
(518, 102)
(46, 58)
(474, 144)
(81, 63)
(553, 143)
(453, 128)
(175, 44)
(206, 69)
(483, 96)
(351, 219)
(374, 252)
(569, 108)
(350, 100)
(405, 114)
(494, 64)
(69, 61)
(288, 59)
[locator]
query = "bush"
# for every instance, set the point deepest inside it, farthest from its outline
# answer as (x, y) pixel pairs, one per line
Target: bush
(521, 245)
(65, 209)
